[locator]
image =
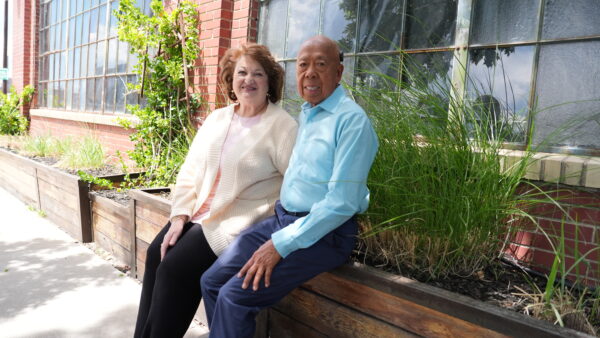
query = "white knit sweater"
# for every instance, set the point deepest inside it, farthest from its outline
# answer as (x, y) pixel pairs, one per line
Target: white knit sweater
(251, 175)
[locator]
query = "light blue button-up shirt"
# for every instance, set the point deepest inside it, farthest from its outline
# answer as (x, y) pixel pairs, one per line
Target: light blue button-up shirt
(328, 170)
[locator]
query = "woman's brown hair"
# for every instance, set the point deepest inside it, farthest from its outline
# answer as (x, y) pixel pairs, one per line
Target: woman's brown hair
(260, 54)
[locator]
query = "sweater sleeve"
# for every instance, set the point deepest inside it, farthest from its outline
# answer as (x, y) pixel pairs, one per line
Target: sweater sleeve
(184, 195)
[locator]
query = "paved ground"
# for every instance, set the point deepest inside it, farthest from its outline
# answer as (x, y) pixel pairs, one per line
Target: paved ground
(53, 286)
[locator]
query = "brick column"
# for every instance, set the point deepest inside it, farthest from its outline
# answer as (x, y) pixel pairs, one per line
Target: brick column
(25, 29)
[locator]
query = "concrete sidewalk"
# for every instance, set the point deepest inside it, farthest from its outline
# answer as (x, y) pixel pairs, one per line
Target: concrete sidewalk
(53, 286)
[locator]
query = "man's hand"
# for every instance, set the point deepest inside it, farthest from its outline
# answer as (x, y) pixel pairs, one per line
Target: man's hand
(172, 235)
(260, 264)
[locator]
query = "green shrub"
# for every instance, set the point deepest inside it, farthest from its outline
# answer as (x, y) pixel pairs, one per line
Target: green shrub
(11, 120)
(166, 45)
(441, 191)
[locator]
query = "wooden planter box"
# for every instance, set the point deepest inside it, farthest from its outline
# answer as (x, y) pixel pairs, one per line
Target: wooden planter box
(62, 196)
(150, 214)
(112, 228)
(360, 301)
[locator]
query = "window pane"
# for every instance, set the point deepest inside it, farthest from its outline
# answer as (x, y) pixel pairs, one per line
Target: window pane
(100, 58)
(86, 91)
(431, 70)
(63, 65)
(430, 23)
(46, 70)
(63, 10)
(50, 66)
(86, 28)
(303, 24)
(122, 58)
(76, 64)
(73, 7)
(78, 27)
(71, 33)
(339, 22)
(120, 105)
(75, 97)
(348, 75)
(133, 61)
(84, 62)
(273, 23)
(50, 90)
(568, 73)
(63, 38)
(132, 95)
(500, 79)
(56, 66)
(86, 5)
(504, 21)
(566, 19)
(61, 94)
(89, 100)
(68, 94)
(91, 59)
(99, 87)
(56, 96)
(109, 95)
(93, 25)
(43, 95)
(113, 20)
(102, 22)
(112, 56)
(52, 38)
(369, 69)
(291, 98)
(380, 25)
(53, 7)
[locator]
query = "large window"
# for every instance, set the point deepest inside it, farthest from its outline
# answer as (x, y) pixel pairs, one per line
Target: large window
(532, 61)
(82, 65)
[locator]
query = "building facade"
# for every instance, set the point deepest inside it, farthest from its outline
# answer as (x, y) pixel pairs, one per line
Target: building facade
(536, 60)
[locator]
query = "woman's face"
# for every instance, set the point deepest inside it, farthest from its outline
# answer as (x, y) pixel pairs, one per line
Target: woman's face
(250, 81)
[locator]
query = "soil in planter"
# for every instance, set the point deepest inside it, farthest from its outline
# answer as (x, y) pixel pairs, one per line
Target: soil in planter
(120, 197)
(500, 285)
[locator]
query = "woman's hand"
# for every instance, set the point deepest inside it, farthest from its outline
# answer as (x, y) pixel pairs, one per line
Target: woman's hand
(172, 235)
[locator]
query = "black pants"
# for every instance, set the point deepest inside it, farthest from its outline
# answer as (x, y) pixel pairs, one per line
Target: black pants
(171, 288)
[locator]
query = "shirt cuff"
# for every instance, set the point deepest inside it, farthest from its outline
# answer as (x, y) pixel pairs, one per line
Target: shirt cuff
(283, 243)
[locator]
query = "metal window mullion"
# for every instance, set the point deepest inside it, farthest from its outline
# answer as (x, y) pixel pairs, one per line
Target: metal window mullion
(461, 42)
(105, 65)
(534, 71)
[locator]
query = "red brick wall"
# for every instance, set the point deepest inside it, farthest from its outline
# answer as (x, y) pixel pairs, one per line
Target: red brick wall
(24, 49)
(579, 210)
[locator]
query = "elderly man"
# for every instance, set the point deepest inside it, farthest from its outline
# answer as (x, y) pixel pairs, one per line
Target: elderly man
(314, 227)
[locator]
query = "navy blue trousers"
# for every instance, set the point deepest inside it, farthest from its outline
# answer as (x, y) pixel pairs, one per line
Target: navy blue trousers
(231, 310)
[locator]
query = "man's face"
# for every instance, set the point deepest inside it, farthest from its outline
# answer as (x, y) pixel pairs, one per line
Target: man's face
(318, 71)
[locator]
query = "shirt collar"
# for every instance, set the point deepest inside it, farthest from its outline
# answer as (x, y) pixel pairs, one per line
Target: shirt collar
(329, 103)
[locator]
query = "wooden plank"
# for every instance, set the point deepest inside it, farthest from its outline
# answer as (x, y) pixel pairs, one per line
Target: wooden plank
(146, 212)
(64, 217)
(23, 193)
(64, 180)
(154, 202)
(145, 230)
(120, 253)
(19, 180)
(333, 319)
(67, 198)
(109, 209)
(394, 310)
(283, 326)
(115, 232)
(479, 313)
(132, 238)
(141, 248)
(85, 212)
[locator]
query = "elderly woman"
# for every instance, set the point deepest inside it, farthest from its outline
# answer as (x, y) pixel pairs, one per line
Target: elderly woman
(229, 180)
